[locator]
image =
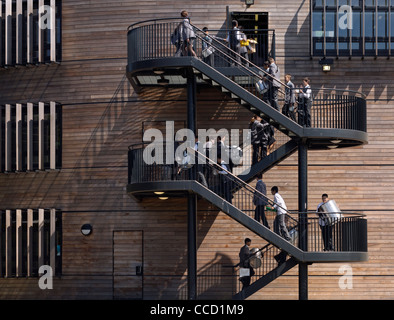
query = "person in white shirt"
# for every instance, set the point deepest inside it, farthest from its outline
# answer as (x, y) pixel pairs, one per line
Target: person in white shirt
(225, 180)
(325, 226)
(305, 104)
(280, 222)
(281, 209)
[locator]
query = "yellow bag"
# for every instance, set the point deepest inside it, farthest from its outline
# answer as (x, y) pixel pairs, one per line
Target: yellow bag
(244, 43)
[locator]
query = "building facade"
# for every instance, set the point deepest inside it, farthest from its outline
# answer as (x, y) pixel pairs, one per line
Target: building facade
(69, 115)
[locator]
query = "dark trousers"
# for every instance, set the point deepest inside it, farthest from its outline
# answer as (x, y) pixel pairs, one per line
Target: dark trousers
(209, 60)
(259, 150)
(288, 111)
(326, 232)
(259, 214)
(304, 113)
(246, 280)
(274, 97)
(226, 186)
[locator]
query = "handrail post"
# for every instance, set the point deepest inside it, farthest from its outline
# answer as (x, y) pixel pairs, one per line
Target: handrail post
(303, 217)
(192, 198)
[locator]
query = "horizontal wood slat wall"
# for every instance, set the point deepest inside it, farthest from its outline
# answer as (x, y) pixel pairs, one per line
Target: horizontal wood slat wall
(102, 116)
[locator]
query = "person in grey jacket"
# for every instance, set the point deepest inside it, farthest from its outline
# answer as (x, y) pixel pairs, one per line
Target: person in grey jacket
(244, 255)
(188, 36)
(288, 107)
(258, 138)
(275, 84)
(260, 201)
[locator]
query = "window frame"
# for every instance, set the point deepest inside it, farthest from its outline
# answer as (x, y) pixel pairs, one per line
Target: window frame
(365, 43)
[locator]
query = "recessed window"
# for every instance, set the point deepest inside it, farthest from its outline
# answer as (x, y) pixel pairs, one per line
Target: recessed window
(30, 32)
(352, 27)
(30, 238)
(31, 137)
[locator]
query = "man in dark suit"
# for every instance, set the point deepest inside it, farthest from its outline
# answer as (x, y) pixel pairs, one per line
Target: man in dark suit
(260, 202)
(244, 255)
(258, 138)
(275, 84)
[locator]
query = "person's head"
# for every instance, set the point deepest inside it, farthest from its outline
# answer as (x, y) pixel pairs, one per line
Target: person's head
(234, 23)
(266, 64)
(259, 176)
(184, 14)
(287, 77)
(248, 241)
(271, 60)
(205, 29)
(306, 81)
(324, 197)
(274, 190)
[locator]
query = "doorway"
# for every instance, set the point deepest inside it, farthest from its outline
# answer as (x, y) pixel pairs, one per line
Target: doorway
(128, 265)
(255, 25)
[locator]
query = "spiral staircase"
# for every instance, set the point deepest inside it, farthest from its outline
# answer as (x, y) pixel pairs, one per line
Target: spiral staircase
(338, 121)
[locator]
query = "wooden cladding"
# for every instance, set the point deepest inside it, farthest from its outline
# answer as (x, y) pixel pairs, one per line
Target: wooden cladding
(30, 31)
(30, 137)
(29, 239)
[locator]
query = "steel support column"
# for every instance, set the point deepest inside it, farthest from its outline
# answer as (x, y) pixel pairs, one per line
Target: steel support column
(302, 217)
(192, 198)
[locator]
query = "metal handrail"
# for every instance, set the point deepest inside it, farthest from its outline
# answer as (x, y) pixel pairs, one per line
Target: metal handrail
(234, 177)
(245, 60)
(153, 20)
(248, 70)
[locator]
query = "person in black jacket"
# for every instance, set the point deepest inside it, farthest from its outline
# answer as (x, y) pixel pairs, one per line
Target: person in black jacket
(244, 255)
(274, 71)
(258, 138)
(260, 201)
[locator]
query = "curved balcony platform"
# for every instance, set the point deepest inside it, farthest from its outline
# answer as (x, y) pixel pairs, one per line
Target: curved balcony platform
(174, 181)
(337, 120)
(338, 117)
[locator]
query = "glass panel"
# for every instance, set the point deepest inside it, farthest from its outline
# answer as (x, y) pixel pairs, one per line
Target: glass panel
(318, 32)
(383, 3)
(392, 25)
(383, 33)
(331, 40)
(331, 24)
(383, 25)
(356, 23)
(331, 3)
(318, 24)
(369, 24)
(370, 3)
(356, 3)
(318, 3)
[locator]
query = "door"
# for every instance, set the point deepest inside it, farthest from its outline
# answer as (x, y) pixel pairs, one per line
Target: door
(128, 265)
(255, 25)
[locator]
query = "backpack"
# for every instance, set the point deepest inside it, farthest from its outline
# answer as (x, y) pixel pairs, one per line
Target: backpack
(174, 38)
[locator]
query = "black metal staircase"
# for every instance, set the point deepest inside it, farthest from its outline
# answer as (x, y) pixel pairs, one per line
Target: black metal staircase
(336, 123)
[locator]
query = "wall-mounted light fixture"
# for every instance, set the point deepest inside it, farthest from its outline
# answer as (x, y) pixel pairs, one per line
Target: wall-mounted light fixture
(158, 71)
(326, 64)
(163, 81)
(249, 2)
(86, 229)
